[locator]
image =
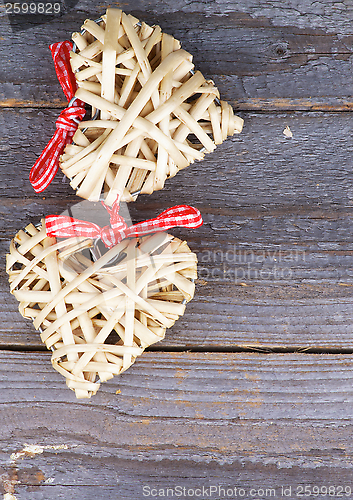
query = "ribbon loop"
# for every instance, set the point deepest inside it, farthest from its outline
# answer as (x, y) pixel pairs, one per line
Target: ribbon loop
(117, 222)
(63, 227)
(60, 52)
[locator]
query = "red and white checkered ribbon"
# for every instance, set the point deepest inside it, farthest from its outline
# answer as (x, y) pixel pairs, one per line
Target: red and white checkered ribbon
(64, 227)
(60, 53)
(46, 167)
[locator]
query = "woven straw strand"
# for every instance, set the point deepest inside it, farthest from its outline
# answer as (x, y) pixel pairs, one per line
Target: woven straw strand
(156, 115)
(98, 319)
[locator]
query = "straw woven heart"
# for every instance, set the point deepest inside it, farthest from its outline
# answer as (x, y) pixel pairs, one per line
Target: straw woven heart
(98, 317)
(155, 114)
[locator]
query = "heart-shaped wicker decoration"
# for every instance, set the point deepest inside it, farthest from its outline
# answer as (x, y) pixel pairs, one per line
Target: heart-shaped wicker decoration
(97, 317)
(155, 115)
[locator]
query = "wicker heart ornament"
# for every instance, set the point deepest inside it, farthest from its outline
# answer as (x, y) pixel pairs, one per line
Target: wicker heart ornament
(98, 317)
(153, 113)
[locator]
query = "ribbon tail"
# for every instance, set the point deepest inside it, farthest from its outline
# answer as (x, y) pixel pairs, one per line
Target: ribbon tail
(46, 166)
(178, 216)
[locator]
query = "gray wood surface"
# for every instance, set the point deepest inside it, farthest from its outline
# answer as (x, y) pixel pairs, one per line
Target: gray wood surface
(183, 419)
(275, 250)
(262, 52)
(234, 397)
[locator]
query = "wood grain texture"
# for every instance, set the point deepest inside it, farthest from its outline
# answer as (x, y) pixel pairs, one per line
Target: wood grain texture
(259, 170)
(249, 421)
(275, 271)
(277, 230)
(271, 52)
(257, 296)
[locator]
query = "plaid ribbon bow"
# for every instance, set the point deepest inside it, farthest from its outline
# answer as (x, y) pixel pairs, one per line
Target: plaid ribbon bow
(46, 167)
(63, 226)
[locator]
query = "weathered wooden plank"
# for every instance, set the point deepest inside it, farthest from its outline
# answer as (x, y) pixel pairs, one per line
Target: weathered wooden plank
(229, 420)
(327, 15)
(84, 470)
(225, 316)
(259, 169)
(260, 285)
(327, 104)
(226, 231)
(275, 260)
(261, 53)
(277, 219)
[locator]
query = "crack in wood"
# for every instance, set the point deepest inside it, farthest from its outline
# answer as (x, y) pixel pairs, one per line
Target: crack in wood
(209, 349)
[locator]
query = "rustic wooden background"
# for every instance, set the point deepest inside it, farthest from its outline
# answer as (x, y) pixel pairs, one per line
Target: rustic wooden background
(253, 387)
